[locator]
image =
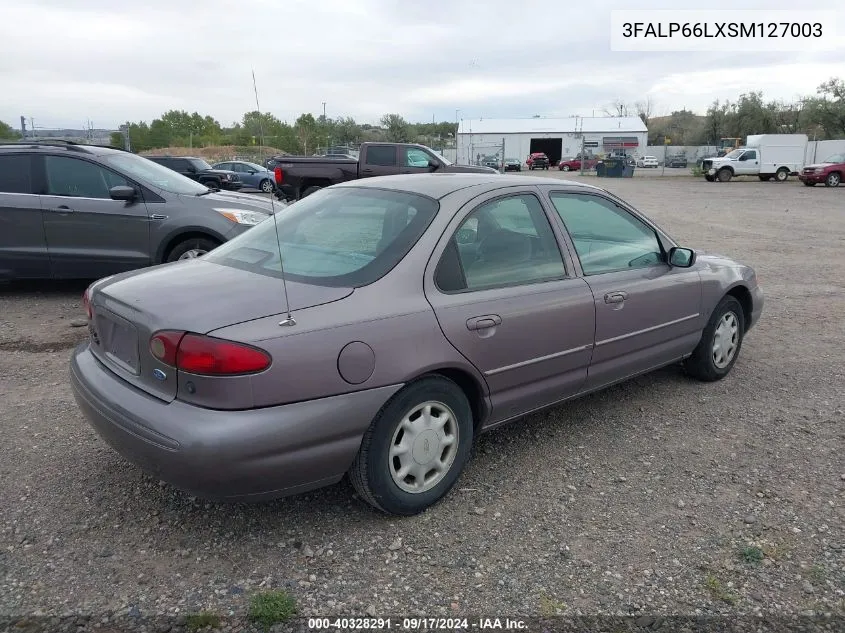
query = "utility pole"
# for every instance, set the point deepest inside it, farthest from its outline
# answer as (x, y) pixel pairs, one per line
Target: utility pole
(23, 127)
(503, 154)
(457, 125)
(324, 111)
(583, 144)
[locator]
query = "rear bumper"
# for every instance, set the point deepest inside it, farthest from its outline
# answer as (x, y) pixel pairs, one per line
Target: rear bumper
(226, 455)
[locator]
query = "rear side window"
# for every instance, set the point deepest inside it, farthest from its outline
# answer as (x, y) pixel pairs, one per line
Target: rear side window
(381, 155)
(346, 237)
(15, 173)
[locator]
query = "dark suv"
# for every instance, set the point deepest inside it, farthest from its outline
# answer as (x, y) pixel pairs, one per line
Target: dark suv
(199, 170)
(73, 211)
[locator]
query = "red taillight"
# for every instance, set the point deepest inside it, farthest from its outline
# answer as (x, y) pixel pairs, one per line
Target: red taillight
(279, 175)
(86, 301)
(207, 356)
(164, 345)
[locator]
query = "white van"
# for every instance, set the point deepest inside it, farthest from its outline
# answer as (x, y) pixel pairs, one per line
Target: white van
(766, 156)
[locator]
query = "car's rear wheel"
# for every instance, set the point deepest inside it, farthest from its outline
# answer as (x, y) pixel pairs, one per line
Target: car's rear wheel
(782, 174)
(266, 186)
(565, 168)
(718, 349)
(191, 249)
(416, 448)
(833, 179)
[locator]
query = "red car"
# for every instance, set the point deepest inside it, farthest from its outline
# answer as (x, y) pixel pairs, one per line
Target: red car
(574, 164)
(830, 172)
(537, 160)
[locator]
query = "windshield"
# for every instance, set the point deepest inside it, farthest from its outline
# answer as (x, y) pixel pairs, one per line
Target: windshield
(345, 237)
(154, 175)
(735, 154)
(445, 160)
(836, 158)
(200, 164)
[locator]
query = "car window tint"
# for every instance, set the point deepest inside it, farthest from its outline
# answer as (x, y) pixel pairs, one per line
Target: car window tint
(382, 155)
(15, 174)
(415, 157)
(78, 178)
(345, 237)
(606, 238)
(229, 166)
(503, 242)
(750, 155)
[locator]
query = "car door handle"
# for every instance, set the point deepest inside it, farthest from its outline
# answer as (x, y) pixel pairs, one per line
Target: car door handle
(615, 297)
(158, 216)
(483, 322)
(62, 208)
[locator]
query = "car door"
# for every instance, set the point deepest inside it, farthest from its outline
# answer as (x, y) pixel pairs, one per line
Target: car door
(748, 163)
(379, 160)
(23, 247)
(505, 299)
(648, 313)
(88, 234)
(415, 160)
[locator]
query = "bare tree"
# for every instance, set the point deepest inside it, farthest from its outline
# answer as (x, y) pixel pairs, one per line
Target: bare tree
(618, 108)
(645, 109)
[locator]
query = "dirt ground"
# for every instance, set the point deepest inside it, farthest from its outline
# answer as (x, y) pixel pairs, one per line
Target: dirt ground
(659, 496)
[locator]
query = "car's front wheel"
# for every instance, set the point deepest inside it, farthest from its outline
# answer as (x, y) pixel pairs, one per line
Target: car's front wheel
(416, 448)
(718, 349)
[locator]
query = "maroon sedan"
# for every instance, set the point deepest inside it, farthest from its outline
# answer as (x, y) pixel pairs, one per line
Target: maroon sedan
(829, 172)
(406, 315)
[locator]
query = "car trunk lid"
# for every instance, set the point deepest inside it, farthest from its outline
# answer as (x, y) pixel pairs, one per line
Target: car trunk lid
(191, 296)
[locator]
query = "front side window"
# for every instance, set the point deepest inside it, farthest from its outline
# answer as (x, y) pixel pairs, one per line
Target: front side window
(606, 237)
(15, 173)
(155, 175)
(750, 155)
(78, 178)
(346, 237)
(381, 155)
(504, 242)
(415, 157)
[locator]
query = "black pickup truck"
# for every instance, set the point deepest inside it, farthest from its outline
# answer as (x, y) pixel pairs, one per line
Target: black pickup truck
(298, 176)
(199, 170)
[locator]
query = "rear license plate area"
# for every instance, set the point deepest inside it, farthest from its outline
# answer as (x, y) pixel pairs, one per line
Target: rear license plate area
(118, 341)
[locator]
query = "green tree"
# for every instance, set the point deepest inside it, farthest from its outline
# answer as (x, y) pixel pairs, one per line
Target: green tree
(7, 132)
(306, 132)
(398, 129)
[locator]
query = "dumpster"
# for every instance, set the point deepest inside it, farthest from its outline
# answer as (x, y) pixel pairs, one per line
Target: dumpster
(614, 168)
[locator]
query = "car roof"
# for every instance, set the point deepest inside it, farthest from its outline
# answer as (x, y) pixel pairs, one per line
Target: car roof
(440, 185)
(54, 145)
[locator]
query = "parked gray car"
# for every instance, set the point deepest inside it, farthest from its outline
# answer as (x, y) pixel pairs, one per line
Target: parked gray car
(252, 175)
(82, 212)
(410, 314)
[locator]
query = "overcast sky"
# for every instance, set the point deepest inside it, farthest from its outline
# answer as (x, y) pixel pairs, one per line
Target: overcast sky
(65, 61)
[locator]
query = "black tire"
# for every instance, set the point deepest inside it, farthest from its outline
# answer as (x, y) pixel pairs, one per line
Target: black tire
(211, 183)
(709, 178)
(724, 175)
(310, 190)
(782, 174)
(701, 364)
(266, 186)
(809, 184)
(834, 179)
(371, 471)
(181, 250)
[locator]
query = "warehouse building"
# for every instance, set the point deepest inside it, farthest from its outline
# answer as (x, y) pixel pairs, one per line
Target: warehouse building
(557, 138)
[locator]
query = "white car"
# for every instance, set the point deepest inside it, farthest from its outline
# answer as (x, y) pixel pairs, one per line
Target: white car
(648, 161)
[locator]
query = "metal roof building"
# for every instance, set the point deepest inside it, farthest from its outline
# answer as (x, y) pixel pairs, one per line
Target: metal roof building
(557, 138)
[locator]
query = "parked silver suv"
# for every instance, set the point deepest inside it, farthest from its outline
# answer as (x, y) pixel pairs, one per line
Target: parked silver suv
(70, 211)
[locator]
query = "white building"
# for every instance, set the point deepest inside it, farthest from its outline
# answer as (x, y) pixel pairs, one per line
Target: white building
(557, 138)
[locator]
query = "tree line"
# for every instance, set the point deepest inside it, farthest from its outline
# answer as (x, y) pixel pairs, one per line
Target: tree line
(820, 116)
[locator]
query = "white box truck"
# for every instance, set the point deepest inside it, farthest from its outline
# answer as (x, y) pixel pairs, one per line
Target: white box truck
(766, 156)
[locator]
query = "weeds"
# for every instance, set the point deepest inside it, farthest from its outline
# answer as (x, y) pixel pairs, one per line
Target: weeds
(718, 590)
(751, 554)
(271, 607)
(196, 621)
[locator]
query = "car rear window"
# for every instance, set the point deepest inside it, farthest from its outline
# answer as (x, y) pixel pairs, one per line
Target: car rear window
(346, 237)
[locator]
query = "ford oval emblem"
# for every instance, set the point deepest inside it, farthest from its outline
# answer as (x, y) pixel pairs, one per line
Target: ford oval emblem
(159, 375)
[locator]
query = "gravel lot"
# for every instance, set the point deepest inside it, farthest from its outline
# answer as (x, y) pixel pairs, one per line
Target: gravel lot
(659, 496)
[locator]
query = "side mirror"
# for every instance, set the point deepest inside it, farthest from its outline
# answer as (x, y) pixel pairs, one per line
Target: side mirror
(681, 257)
(123, 192)
(433, 165)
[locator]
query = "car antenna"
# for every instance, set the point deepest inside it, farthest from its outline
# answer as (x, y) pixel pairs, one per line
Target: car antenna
(288, 320)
